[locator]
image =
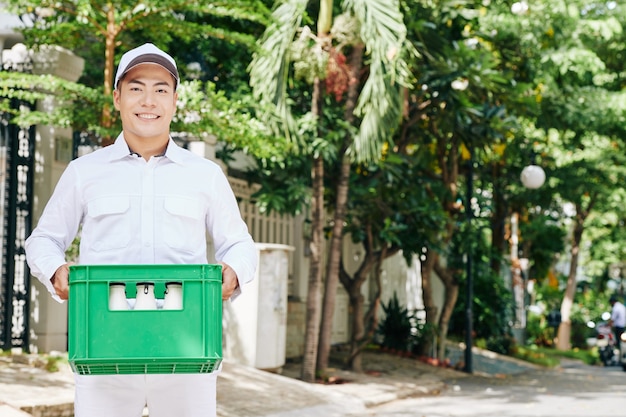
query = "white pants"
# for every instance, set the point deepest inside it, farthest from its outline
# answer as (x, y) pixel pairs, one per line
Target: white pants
(166, 395)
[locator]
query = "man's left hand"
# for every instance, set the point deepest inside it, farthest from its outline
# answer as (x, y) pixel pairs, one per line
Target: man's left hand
(229, 281)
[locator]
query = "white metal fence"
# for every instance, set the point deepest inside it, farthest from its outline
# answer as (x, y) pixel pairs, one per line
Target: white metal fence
(265, 228)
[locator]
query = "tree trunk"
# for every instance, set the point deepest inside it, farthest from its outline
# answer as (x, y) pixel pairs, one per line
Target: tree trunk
(357, 302)
(313, 305)
(451, 295)
(497, 222)
(336, 242)
(332, 268)
(430, 307)
(109, 67)
(364, 325)
(358, 329)
(448, 158)
(565, 328)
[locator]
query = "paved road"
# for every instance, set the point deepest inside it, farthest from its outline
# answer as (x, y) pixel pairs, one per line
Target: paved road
(573, 390)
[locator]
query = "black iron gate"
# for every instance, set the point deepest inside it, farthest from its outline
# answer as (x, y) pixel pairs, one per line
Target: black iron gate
(16, 193)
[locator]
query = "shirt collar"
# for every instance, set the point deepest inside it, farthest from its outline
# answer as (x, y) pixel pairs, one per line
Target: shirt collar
(119, 150)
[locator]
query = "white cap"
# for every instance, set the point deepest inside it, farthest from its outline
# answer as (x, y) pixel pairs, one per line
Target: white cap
(145, 54)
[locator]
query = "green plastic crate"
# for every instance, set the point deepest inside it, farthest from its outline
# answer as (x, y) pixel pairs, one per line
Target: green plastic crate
(103, 341)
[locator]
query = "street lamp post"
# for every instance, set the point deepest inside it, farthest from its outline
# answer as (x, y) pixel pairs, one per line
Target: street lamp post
(469, 292)
(532, 177)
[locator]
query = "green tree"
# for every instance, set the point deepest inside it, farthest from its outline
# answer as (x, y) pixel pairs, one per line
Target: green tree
(30, 88)
(458, 117)
(566, 53)
(101, 27)
(96, 30)
(365, 37)
(587, 178)
(571, 56)
(607, 232)
(390, 211)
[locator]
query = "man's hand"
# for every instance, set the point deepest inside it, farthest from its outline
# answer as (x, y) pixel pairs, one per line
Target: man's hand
(60, 281)
(229, 281)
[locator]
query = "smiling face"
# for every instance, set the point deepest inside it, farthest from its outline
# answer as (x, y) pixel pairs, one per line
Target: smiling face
(146, 99)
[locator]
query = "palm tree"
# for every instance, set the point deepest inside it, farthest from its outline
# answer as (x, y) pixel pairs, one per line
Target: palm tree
(372, 33)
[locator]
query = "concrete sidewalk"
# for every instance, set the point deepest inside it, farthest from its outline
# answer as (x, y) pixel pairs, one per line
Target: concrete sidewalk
(28, 390)
(386, 378)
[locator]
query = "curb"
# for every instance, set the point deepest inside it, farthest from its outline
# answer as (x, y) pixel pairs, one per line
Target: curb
(8, 411)
(41, 410)
(50, 410)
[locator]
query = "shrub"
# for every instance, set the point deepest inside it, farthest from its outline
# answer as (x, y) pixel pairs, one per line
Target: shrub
(396, 328)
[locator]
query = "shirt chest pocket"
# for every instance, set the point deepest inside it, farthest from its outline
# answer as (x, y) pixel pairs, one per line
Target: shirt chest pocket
(108, 223)
(111, 206)
(183, 225)
(180, 207)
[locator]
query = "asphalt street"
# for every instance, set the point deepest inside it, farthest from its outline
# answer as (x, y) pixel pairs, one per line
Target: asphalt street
(572, 390)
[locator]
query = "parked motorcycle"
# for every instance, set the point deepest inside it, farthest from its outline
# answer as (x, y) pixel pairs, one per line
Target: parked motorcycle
(608, 348)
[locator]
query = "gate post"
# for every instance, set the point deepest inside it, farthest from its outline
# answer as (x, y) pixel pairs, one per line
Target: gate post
(16, 275)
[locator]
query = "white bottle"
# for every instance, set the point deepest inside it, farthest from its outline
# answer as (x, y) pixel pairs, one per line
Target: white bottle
(117, 296)
(145, 296)
(173, 296)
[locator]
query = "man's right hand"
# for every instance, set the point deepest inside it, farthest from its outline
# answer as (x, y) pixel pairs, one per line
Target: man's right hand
(60, 281)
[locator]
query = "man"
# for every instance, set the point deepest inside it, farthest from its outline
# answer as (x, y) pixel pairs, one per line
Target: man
(618, 318)
(143, 200)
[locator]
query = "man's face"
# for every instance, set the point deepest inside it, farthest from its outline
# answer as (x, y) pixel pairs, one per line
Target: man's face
(146, 100)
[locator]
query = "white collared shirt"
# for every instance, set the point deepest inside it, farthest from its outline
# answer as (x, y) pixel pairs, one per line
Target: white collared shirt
(618, 315)
(133, 211)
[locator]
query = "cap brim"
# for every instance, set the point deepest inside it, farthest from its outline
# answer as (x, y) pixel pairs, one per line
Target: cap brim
(152, 59)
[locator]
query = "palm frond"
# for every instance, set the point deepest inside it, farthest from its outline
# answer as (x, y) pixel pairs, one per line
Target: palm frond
(383, 33)
(269, 69)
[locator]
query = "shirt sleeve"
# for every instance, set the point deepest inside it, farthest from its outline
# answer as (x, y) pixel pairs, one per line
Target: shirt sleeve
(55, 231)
(233, 243)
